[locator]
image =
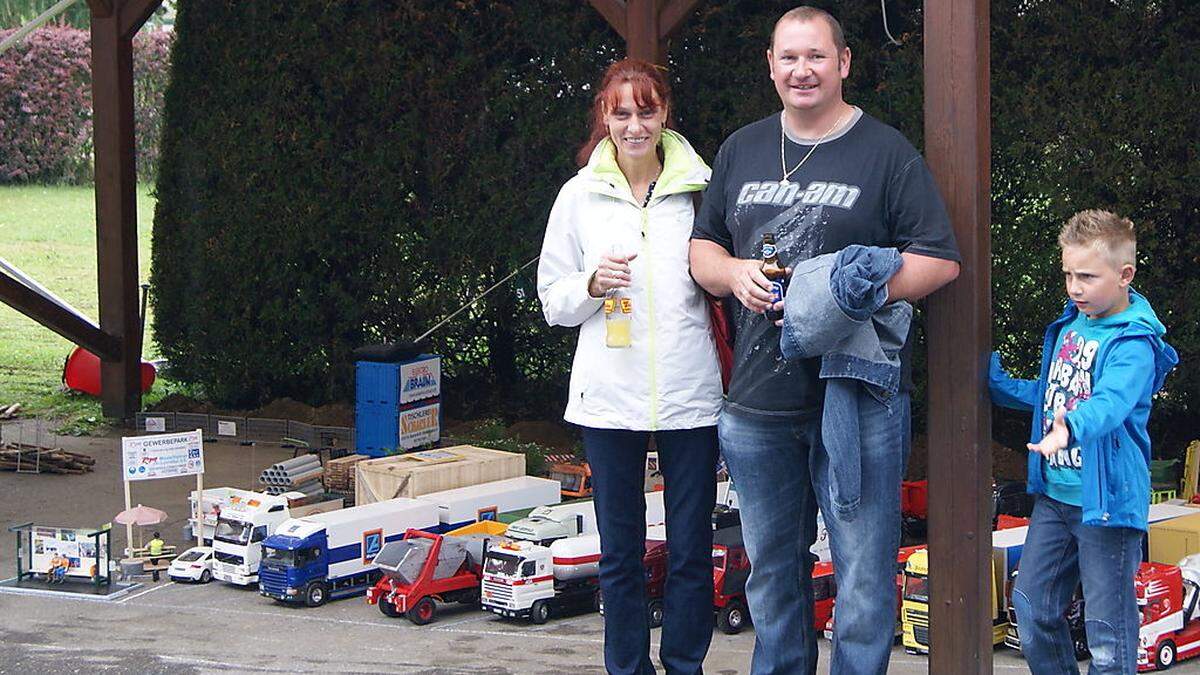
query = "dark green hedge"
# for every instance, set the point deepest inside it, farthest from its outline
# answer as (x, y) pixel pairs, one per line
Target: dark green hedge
(335, 174)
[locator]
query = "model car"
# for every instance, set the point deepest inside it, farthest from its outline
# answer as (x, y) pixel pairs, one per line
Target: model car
(194, 564)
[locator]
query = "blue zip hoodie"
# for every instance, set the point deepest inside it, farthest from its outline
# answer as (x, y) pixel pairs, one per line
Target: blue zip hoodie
(1109, 427)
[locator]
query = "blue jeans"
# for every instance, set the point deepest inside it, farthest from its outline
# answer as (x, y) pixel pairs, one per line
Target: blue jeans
(687, 459)
(781, 473)
(1059, 552)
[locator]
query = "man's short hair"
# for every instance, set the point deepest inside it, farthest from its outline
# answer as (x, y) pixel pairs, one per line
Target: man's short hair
(805, 13)
(1104, 230)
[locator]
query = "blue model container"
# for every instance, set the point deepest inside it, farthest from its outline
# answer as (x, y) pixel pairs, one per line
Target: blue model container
(383, 391)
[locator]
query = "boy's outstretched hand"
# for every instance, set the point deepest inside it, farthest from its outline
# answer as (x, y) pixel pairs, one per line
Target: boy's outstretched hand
(1058, 438)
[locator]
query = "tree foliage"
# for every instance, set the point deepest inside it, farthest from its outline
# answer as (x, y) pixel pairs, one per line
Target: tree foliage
(46, 104)
(342, 173)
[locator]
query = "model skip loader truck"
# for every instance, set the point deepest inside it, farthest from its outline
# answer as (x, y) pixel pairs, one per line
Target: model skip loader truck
(423, 569)
(522, 579)
(332, 555)
(246, 519)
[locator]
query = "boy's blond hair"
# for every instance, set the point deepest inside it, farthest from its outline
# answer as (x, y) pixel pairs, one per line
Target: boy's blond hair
(1104, 230)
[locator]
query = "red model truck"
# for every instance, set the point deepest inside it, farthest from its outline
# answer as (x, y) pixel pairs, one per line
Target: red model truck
(731, 568)
(1170, 627)
(424, 568)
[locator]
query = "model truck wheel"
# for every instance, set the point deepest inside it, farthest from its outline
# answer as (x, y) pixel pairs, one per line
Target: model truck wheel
(655, 613)
(732, 618)
(1165, 657)
(422, 612)
(539, 613)
(388, 608)
(316, 595)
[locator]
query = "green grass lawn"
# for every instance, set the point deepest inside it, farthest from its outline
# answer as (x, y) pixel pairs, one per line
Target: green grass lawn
(49, 233)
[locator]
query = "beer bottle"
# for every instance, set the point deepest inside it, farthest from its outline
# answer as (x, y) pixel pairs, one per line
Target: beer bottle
(775, 272)
(618, 315)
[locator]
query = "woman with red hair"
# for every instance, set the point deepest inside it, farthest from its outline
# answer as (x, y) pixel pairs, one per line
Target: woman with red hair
(617, 242)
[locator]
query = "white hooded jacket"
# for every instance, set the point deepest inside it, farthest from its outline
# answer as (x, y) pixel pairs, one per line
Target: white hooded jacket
(669, 377)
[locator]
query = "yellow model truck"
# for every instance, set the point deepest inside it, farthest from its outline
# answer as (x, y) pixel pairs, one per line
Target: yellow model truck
(914, 610)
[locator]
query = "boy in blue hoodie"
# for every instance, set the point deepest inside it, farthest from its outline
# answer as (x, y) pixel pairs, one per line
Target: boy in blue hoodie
(1102, 362)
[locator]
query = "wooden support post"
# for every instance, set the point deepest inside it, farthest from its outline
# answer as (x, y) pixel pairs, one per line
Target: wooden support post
(641, 31)
(958, 146)
(114, 23)
(116, 213)
(646, 25)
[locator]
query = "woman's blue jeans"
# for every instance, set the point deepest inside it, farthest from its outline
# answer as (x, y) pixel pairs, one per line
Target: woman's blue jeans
(687, 459)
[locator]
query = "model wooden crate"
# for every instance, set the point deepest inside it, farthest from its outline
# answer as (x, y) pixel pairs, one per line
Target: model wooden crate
(1172, 540)
(419, 473)
(339, 473)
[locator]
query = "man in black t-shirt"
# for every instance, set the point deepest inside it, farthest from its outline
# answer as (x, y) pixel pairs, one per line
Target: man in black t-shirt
(819, 176)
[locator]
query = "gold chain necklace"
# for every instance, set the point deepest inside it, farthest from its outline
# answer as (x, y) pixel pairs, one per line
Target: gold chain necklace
(783, 162)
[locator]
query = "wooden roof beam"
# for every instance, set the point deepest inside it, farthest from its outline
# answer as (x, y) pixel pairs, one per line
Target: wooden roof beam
(135, 14)
(613, 12)
(673, 15)
(28, 302)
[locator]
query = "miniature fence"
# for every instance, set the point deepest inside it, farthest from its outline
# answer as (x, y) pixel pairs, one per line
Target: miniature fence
(247, 429)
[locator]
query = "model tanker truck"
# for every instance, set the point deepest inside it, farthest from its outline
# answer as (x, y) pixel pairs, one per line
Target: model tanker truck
(522, 579)
(546, 524)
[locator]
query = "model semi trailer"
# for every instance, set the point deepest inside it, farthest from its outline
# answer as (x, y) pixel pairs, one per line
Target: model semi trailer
(526, 580)
(332, 555)
(465, 505)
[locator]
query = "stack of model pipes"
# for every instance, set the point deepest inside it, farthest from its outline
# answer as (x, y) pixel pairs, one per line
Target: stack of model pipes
(299, 474)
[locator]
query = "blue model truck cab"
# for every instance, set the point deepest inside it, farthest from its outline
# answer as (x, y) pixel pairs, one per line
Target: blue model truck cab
(295, 569)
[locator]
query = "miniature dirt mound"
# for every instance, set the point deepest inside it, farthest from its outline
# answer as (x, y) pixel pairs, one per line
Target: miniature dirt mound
(183, 404)
(548, 434)
(332, 415)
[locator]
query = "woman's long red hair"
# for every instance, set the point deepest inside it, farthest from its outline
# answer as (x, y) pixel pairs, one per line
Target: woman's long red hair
(650, 89)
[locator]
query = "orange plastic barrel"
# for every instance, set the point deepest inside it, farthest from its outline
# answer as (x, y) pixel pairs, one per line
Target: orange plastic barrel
(82, 372)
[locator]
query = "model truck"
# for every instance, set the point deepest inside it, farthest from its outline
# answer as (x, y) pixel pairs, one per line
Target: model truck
(574, 477)
(246, 520)
(423, 569)
(526, 580)
(731, 569)
(546, 524)
(332, 555)
(1170, 627)
(914, 611)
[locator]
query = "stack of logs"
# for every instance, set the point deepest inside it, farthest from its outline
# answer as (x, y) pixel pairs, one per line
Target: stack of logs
(32, 458)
